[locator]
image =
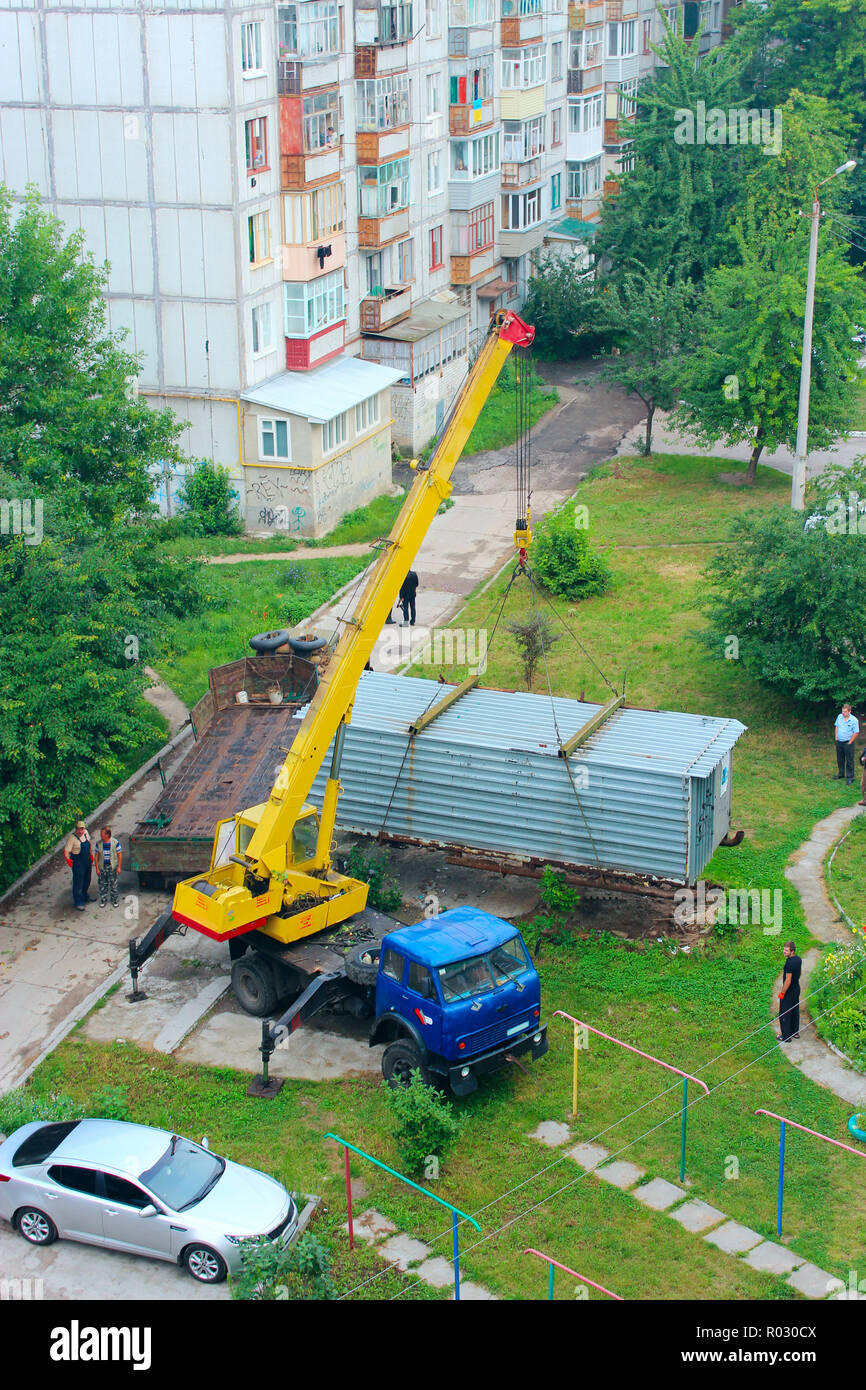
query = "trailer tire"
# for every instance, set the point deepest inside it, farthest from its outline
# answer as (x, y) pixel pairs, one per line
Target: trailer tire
(264, 643)
(254, 985)
(400, 1059)
(362, 963)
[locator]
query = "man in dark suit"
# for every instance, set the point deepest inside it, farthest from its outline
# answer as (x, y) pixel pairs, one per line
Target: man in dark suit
(406, 600)
(789, 999)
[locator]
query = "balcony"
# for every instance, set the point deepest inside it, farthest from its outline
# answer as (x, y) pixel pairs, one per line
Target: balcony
(376, 146)
(584, 79)
(515, 175)
(521, 241)
(304, 263)
(525, 29)
(610, 187)
(465, 269)
(611, 131)
(296, 75)
(299, 171)
(384, 307)
(381, 231)
(576, 15)
(470, 116)
(372, 60)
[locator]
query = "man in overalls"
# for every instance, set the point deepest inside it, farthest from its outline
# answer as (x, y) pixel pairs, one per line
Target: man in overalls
(77, 853)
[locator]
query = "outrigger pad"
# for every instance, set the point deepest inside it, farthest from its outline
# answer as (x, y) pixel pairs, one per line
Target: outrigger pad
(265, 1090)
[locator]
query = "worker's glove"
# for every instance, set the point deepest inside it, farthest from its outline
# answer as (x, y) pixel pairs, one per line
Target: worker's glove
(69, 862)
(781, 996)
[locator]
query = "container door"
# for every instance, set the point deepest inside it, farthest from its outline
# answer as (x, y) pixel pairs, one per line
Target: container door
(722, 817)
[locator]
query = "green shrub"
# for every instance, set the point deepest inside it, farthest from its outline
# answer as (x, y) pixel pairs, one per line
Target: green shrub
(111, 1104)
(22, 1106)
(384, 894)
(556, 894)
(425, 1124)
(839, 1013)
(207, 501)
(534, 637)
(563, 558)
(296, 1272)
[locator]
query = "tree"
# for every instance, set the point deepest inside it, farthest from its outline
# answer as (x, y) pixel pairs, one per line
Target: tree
(792, 593)
(652, 319)
(563, 558)
(743, 379)
(672, 207)
(558, 304)
(66, 412)
(207, 501)
(534, 638)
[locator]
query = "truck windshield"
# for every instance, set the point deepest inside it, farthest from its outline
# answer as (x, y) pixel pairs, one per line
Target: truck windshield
(479, 974)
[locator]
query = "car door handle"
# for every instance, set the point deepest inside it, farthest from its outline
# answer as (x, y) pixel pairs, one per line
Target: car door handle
(108, 1211)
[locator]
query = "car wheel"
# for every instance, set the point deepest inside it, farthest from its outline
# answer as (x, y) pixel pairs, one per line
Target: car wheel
(254, 985)
(362, 963)
(399, 1061)
(35, 1226)
(205, 1264)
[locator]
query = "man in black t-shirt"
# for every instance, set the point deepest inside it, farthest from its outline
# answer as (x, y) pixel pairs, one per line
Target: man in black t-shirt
(789, 999)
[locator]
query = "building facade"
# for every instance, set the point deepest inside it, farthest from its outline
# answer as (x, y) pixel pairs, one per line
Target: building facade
(282, 187)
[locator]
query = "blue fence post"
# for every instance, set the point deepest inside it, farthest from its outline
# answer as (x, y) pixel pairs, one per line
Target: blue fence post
(781, 1175)
(456, 1257)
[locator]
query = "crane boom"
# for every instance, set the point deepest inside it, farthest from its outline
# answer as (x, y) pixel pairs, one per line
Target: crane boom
(261, 885)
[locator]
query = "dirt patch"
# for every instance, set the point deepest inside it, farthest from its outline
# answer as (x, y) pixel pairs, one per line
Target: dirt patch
(733, 479)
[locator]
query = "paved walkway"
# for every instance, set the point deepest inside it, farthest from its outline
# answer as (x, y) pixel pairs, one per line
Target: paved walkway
(806, 872)
(413, 1256)
(303, 552)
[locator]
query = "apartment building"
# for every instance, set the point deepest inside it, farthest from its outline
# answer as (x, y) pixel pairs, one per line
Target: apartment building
(311, 209)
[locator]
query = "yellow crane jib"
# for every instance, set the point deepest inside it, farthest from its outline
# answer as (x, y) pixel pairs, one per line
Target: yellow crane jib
(271, 865)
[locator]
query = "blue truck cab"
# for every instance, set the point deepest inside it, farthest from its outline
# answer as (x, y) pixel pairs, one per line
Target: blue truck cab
(457, 996)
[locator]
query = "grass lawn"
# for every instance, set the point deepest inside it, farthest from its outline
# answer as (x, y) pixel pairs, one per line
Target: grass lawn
(495, 426)
(847, 877)
(858, 421)
(362, 524)
(244, 599)
(706, 1012)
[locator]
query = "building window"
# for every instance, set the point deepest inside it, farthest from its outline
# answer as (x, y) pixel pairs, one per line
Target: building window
(436, 260)
(627, 98)
(585, 49)
(308, 28)
(383, 102)
(621, 39)
(524, 67)
(406, 261)
(475, 84)
(312, 305)
(475, 159)
(523, 139)
(555, 192)
(431, 18)
(555, 62)
(647, 35)
(321, 115)
(256, 143)
(585, 115)
(512, 9)
(583, 180)
(312, 216)
(274, 440)
(625, 163)
(434, 173)
(432, 93)
(717, 13)
(383, 188)
(251, 48)
(511, 271)
(333, 433)
(395, 22)
(262, 329)
(556, 126)
(480, 228)
(521, 210)
(366, 414)
(259, 228)
(479, 11)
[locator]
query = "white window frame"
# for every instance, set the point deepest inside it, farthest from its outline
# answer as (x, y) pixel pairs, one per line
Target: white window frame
(320, 114)
(251, 48)
(480, 156)
(313, 216)
(434, 263)
(311, 28)
(524, 67)
(479, 11)
(527, 142)
(583, 178)
(556, 127)
(585, 115)
(321, 303)
(556, 62)
(270, 425)
(256, 152)
(522, 211)
(262, 329)
(432, 19)
(434, 173)
(434, 88)
(404, 258)
(391, 178)
(366, 414)
(259, 234)
(622, 38)
(333, 434)
(382, 103)
(627, 104)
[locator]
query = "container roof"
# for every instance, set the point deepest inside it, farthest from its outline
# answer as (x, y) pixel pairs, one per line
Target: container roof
(424, 319)
(326, 391)
(661, 741)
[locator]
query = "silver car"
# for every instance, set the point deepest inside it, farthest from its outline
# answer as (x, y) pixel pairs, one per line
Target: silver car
(141, 1190)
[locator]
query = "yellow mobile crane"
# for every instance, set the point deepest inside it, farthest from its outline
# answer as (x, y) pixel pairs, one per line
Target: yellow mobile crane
(271, 869)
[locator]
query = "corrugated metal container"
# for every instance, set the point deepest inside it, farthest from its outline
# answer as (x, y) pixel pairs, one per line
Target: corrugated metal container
(649, 792)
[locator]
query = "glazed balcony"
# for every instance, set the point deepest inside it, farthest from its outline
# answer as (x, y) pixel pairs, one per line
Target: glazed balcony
(516, 175)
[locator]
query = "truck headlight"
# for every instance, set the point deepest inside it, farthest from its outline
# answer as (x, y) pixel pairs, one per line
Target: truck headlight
(464, 1071)
(537, 1038)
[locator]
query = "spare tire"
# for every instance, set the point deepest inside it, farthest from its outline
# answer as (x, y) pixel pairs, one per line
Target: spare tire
(303, 646)
(362, 963)
(267, 642)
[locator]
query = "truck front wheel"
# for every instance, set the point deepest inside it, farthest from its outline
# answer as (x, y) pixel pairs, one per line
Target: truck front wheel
(254, 985)
(399, 1061)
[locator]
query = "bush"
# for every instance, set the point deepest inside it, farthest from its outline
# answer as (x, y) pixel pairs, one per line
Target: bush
(208, 499)
(296, 1272)
(556, 894)
(22, 1106)
(426, 1125)
(534, 638)
(563, 558)
(841, 1019)
(384, 894)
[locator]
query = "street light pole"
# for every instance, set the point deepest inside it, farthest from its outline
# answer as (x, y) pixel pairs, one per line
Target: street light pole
(798, 476)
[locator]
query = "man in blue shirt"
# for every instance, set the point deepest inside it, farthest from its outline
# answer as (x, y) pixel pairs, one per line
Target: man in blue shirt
(847, 729)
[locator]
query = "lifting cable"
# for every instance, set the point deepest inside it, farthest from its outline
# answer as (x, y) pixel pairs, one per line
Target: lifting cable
(523, 434)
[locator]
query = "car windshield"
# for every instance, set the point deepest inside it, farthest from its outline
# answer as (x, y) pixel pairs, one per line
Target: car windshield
(183, 1175)
(42, 1142)
(479, 974)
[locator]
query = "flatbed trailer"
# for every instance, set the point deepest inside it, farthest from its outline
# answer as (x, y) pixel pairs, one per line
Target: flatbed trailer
(238, 747)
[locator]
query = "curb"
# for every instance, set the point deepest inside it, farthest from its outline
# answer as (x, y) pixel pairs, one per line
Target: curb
(66, 1026)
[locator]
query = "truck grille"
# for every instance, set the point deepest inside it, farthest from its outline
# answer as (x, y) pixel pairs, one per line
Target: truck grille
(497, 1033)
